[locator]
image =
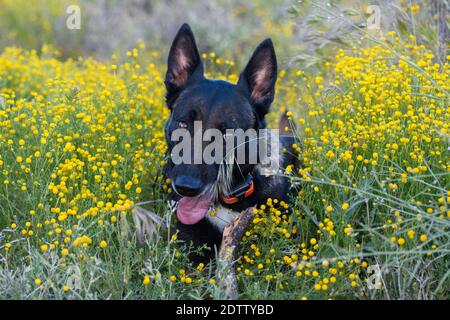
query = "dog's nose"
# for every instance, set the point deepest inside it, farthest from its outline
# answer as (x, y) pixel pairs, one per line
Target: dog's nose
(187, 186)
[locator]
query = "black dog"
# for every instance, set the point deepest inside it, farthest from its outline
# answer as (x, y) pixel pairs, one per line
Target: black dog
(191, 97)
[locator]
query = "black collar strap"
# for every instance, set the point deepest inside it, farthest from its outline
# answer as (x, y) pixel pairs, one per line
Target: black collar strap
(240, 191)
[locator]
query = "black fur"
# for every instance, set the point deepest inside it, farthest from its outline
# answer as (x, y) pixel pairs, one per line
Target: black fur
(220, 105)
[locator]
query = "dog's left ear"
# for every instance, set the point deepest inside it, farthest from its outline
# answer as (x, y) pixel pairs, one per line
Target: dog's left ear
(183, 63)
(259, 77)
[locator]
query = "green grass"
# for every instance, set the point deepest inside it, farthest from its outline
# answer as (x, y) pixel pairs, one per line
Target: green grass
(349, 215)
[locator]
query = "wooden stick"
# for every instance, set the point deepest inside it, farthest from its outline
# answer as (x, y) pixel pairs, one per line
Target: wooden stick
(226, 264)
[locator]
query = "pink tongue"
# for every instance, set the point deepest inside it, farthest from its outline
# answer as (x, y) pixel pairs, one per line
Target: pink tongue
(193, 209)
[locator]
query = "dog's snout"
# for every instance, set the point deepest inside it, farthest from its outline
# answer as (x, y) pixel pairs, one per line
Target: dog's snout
(187, 186)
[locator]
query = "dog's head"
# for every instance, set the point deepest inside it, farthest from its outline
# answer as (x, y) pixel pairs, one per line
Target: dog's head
(216, 105)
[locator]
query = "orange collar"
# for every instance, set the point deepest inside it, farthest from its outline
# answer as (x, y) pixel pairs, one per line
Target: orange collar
(243, 190)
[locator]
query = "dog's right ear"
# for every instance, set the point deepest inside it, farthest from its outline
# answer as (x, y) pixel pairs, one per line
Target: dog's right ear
(183, 64)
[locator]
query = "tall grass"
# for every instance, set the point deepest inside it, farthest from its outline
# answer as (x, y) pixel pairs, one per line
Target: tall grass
(82, 152)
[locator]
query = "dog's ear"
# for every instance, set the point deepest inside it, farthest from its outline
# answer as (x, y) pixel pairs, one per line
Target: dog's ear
(259, 77)
(183, 63)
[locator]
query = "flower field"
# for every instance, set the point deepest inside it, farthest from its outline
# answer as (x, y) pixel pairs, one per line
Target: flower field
(82, 151)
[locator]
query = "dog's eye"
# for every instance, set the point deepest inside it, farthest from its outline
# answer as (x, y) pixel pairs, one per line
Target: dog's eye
(223, 128)
(182, 124)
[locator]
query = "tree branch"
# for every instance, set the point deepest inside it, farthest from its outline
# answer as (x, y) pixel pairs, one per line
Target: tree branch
(227, 258)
